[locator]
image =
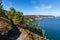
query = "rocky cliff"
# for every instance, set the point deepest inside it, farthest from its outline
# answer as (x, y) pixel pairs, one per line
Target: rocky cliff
(9, 31)
(28, 35)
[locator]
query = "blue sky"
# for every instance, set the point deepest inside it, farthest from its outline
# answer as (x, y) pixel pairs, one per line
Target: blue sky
(34, 7)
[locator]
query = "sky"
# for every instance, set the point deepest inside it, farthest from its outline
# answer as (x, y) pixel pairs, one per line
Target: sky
(34, 7)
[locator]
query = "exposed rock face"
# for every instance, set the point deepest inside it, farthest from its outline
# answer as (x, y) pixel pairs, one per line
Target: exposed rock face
(5, 26)
(8, 31)
(27, 35)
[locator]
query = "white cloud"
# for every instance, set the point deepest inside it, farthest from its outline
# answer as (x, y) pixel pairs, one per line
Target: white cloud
(43, 7)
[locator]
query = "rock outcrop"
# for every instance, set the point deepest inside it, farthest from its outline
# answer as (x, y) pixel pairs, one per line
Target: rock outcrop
(5, 25)
(28, 35)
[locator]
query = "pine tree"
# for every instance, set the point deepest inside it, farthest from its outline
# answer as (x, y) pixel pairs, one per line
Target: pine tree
(2, 11)
(0, 5)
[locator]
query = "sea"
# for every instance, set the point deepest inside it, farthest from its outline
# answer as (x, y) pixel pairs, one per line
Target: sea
(51, 27)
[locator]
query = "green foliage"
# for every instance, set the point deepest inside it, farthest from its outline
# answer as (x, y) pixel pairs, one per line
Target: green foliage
(43, 33)
(39, 29)
(17, 17)
(12, 10)
(29, 23)
(36, 26)
(10, 14)
(7, 13)
(0, 6)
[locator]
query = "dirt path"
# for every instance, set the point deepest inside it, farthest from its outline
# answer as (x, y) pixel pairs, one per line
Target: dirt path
(22, 36)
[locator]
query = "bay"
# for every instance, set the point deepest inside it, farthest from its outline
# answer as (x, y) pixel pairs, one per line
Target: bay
(51, 27)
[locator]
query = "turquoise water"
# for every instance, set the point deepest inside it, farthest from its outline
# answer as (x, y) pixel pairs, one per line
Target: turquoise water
(51, 27)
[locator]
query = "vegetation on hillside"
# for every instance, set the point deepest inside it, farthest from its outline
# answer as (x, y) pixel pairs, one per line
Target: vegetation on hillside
(18, 19)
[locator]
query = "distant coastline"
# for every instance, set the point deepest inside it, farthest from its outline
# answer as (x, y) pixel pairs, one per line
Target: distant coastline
(37, 17)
